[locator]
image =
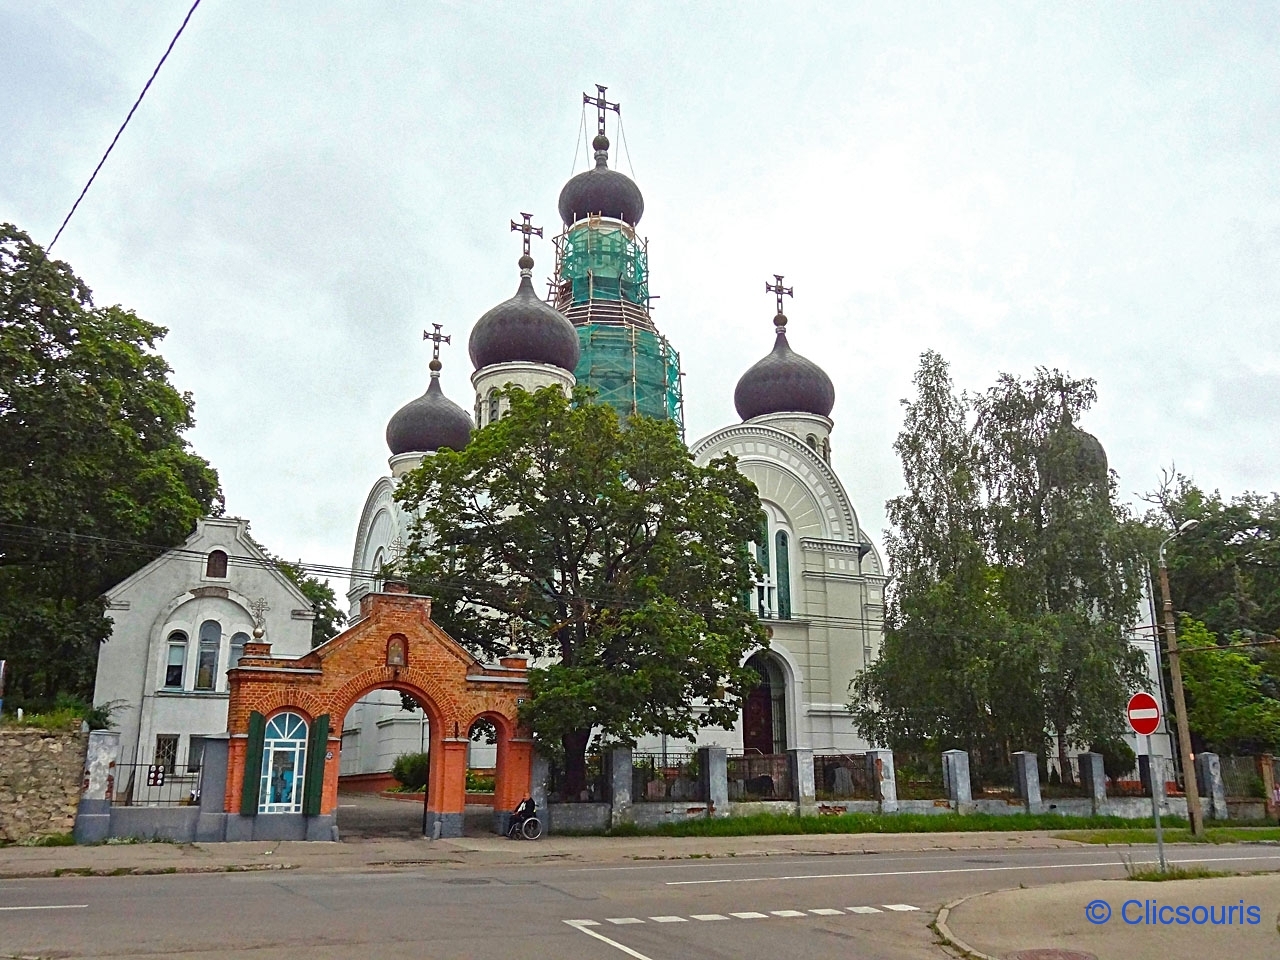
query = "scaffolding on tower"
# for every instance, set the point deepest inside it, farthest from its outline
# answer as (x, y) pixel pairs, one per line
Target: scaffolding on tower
(602, 287)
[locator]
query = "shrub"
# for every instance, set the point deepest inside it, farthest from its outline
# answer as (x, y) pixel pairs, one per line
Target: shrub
(411, 770)
(1118, 758)
(479, 783)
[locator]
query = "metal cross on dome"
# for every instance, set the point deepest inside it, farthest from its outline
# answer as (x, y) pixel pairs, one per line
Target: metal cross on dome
(260, 608)
(438, 337)
(602, 105)
(527, 228)
(779, 289)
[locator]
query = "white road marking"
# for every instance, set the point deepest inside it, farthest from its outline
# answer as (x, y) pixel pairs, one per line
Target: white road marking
(917, 873)
(900, 907)
(828, 912)
(787, 913)
(750, 915)
(668, 919)
(864, 910)
(708, 916)
(582, 927)
(620, 921)
(52, 906)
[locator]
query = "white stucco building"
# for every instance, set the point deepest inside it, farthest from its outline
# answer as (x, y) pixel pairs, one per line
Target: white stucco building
(178, 624)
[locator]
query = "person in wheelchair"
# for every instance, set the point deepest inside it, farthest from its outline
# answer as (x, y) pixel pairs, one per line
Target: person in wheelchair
(524, 821)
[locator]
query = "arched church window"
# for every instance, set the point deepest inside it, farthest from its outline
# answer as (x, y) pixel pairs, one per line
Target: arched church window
(237, 648)
(493, 405)
(764, 598)
(284, 757)
(826, 450)
(216, 564)
(176, 662)
(207, 657)
(781, 549)
(812, 441)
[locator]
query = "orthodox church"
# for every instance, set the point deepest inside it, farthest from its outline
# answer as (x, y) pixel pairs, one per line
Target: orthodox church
(822, 589)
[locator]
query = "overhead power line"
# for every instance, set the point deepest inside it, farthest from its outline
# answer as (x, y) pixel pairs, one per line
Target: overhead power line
(116, 138)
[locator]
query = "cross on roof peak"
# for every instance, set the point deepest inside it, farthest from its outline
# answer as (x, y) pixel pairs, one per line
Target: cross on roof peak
(778, 289)
(602, 106)
(527, 228)
(438, 338)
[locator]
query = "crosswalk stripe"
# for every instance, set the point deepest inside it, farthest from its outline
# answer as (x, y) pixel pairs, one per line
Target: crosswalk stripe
(828, 912)
(864, 910)
(621, 920)
(900, 907)
(668, 919)
(750, 915)
(709, 916)
(787, 913)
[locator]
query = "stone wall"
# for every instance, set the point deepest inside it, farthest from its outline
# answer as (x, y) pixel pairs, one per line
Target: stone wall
(40, 778)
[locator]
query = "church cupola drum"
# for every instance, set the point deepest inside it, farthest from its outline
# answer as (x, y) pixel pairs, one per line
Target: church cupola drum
(602, 287)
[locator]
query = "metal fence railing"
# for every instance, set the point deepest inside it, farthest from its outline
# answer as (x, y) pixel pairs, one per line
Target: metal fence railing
(595, 790)
(666, 775)
(1059, 781)
(168, 783)
(1241, 779)
(759, 777)
(843, 777)
(919, 776)
(1127, 785)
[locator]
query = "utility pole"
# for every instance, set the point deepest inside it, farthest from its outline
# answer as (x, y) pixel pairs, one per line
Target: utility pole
(1179, 701)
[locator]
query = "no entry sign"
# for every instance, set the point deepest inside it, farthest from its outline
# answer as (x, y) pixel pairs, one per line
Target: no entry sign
(1143, 713)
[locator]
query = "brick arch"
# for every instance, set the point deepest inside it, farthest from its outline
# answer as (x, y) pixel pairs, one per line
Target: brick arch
(453, 687)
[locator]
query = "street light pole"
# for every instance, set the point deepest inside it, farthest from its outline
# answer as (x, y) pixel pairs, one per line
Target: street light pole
(1179, 701)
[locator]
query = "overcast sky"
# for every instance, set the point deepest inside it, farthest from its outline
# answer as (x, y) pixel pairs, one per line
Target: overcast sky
(309, 185)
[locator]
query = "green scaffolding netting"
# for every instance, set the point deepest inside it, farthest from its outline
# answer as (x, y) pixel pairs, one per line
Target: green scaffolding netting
(634, 370)
(604, 262)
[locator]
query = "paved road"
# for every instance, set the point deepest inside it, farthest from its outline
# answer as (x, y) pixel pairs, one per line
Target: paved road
(367, 816)
(819, 907)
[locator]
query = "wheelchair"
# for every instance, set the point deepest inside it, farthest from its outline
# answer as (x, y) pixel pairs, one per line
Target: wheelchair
(525, 824)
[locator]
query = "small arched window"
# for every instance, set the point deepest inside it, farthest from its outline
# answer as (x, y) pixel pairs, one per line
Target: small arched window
(237, 648)
(812, 441)
(284, 757)
(207, 658)
(176, 663)
(493, 405)
(783, 560)
(826, 450)
(216, 564)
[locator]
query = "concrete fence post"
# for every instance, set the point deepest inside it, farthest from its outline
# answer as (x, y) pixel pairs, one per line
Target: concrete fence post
(1267, 771)
(1212, 789)
(93, 813)
(955, 774)
(1026, 769)
(211, 823)
(883, 781)
(800, 764)
(1093, 778)
(618, 764)
(713, 770)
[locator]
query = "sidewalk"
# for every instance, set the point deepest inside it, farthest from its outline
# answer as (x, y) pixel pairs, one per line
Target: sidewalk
(115, 859)
(993, 926)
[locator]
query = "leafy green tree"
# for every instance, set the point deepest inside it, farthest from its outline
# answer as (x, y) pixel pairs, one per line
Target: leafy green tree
(1228, 708)
(1226, 571)
(602, 548)
(96, 478)
(1015, 575)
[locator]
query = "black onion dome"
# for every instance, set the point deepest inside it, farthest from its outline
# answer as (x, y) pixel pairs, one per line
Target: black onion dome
(524, 328)
(784, 382)
(602, 191)
(429, 423)
(1072, 456)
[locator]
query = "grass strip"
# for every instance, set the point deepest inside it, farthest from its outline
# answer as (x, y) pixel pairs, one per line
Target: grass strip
(1140, 833)
(765, 824)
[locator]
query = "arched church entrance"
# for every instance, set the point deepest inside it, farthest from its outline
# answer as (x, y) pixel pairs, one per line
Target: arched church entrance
(303, 702)
(764, 712)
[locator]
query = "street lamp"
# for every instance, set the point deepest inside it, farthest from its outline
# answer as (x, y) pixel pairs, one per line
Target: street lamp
(1179, 702)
